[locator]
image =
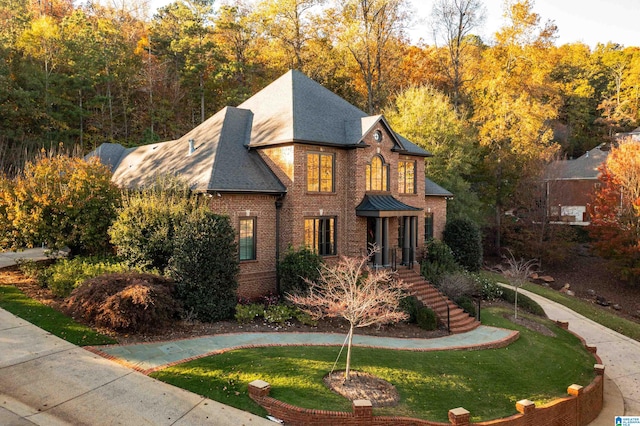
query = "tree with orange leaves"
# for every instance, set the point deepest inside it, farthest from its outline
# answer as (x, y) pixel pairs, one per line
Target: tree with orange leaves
(615, 212)
(351, 291)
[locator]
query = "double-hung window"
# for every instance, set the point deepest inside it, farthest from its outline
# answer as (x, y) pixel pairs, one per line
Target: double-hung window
(320, 235)
(320, 172)
(247, 241)
(428, 226)
(407, 177)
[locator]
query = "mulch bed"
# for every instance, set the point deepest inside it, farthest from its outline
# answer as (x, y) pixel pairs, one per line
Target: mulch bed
(363, 385)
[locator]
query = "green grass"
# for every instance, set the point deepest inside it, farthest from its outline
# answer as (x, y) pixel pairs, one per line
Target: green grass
(47, 318)
(589, 310)
(486, 382)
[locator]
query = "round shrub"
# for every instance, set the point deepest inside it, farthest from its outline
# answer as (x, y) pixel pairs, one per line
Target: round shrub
(131, 302)
(204, 266)
(426, 318)
(144, 229)
(466, 303)
(295, 267)
(464, 238)
(411, 305)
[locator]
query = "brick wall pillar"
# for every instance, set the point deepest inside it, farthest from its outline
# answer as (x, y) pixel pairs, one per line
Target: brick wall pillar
(563, 324)
(527, 408)
(259, 389)
(576, 390)
(459, 417)
(362, 411)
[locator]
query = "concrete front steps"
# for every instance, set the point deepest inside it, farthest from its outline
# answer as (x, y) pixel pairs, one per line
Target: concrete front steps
(459, 320)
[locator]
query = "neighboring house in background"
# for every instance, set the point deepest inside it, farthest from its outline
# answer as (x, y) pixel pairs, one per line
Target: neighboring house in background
(296, 165)
(571, 184)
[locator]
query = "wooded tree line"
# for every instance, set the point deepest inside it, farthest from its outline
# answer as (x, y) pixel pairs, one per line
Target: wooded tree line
(492, 111)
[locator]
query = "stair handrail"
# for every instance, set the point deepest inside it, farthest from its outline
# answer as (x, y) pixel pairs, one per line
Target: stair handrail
(446, 301)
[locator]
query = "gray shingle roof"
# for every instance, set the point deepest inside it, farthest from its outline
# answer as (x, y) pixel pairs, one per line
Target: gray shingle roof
(434, 190)
(220, 161)
(293, 108)
(584, 167)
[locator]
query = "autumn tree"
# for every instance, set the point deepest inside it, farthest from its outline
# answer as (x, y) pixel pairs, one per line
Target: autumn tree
(615, 211)
(515, 101)
(453, 22)
(371, 32)
(58, 201)
(289, 23)
(351, 291)
(576, 75)
(428, 118)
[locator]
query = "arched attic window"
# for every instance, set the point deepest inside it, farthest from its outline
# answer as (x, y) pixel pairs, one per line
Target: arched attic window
(377, 175)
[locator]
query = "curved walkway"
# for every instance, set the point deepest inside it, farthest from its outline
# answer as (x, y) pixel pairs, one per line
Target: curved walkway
(45, 380)
(619, 354)
(148, 357)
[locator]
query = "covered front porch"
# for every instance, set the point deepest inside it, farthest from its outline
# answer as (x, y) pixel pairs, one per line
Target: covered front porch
(384, 215)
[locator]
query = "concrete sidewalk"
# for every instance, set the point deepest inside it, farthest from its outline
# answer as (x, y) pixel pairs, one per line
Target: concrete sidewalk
(45, 380)
(9, 258)
(620, 356)
(148, 357)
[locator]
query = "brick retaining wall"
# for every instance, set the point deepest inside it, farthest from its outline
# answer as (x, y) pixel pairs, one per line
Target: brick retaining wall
(579, 408)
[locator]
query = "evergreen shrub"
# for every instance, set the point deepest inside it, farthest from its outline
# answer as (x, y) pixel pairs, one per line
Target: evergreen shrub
(437, 260)
(465, 240)
(426, 318)
(204, 266)
(295, 267)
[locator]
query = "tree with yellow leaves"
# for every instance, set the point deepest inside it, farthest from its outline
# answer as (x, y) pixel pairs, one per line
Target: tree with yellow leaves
(59, 201)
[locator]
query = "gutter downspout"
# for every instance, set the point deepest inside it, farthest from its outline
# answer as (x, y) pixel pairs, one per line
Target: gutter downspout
(278, 209)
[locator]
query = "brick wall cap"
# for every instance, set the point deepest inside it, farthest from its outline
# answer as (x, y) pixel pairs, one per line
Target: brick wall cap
(459, 411)
(260, 384)
(598, 367)
(525, 403)
(575, 390)
(362, 403)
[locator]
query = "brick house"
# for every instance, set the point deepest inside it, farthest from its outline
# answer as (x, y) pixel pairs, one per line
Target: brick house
(570, 186)
(296, 165)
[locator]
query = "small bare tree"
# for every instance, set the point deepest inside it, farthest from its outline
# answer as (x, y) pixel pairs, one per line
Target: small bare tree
(517, 271)
(351, 291)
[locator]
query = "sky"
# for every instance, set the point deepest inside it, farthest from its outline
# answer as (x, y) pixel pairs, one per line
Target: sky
(586, 21)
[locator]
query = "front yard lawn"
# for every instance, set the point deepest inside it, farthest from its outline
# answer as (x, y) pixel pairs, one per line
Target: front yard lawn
(487, 382)
(49, 319)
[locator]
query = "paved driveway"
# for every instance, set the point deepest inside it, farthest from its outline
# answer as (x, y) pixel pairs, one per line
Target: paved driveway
(620, 354)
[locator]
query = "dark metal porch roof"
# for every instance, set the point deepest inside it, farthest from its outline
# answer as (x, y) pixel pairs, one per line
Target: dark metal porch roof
(384, 206)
